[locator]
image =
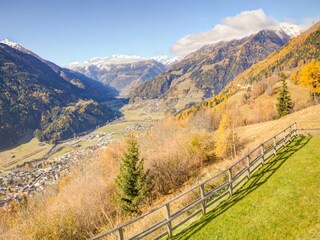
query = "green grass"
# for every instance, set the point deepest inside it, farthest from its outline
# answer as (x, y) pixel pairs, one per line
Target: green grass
(132, 115)
(61, 151)
(280, 201)
(24, 152)
(66, 148)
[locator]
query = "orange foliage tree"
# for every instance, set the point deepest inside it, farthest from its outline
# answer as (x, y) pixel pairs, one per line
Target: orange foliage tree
(310, 78)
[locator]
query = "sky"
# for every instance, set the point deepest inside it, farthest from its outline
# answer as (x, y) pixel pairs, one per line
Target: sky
(64, 31)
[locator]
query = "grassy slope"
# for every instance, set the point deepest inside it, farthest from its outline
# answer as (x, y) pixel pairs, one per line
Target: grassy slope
(280, 201)
(299, 96)
(30, 148)
(256, 133)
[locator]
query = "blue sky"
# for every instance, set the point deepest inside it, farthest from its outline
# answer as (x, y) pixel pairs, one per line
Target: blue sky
(64, 31)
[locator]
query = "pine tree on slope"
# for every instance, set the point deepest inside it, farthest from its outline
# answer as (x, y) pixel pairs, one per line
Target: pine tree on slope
(285, 104)
(133, 183)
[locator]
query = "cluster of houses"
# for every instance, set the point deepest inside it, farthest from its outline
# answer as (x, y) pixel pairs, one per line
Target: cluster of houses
(16, 183)
(135, 127)
(101, 140)
(40, 173)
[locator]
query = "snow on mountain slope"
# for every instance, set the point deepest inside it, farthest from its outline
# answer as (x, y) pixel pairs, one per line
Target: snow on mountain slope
(19, 48)
(291, 30)
(124, 59)
(11, 44)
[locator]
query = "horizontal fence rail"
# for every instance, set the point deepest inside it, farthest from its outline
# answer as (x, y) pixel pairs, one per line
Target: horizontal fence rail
(176, 211)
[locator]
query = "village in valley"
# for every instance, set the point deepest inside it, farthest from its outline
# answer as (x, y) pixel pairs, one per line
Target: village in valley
(34, 176)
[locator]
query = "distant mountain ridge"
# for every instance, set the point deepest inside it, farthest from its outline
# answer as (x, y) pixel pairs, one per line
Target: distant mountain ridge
(95, 89)
(124, 77)
(37, 94)
(123, 59)
(207, 71)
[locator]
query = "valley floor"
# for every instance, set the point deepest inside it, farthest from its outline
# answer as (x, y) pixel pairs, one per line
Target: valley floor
(46, 162)
(280, 201)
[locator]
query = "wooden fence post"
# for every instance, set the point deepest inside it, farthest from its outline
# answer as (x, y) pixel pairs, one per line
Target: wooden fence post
(284, 137)
(248, 166)
(168, 218)
(203, 202)
(262, 153)
(274, 145)
(290, 132)
(295, 128)
(230, 181)
(120, 234)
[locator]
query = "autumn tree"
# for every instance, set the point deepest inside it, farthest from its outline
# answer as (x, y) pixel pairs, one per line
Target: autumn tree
(284, 104)
(133, 183)
(310, 78)
(226, 139)
(295, 76)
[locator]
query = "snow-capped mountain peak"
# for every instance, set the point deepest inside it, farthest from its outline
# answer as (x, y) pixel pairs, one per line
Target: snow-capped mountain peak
(11, 44)
(290, 29)
(166, 60)
(124, 59)
(21, 49)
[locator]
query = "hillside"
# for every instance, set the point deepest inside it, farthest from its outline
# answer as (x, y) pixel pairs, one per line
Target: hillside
(280, 201)
(91, 88)
(122, 76)
(299, 51)
(179, 157)
(264, 75)
(33, 95)
(207, 71)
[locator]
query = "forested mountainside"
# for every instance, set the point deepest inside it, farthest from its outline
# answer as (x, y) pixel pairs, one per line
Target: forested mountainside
(34, 93)
(212, 67)
(299, 51)
(294, 55)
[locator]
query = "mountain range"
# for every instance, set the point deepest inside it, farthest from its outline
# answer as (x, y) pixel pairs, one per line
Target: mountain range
(204, 73)
(39, 95)
(124, 72)
(56, 102)
(124, 77)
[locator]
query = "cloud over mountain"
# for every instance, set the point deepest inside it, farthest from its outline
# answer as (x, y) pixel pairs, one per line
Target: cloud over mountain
(234, 27)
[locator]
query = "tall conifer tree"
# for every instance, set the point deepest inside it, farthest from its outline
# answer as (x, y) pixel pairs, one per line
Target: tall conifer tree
(133, 183)
(285, 104)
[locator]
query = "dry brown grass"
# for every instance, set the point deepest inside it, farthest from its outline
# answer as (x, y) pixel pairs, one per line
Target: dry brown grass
(75, 209)
(257, 133)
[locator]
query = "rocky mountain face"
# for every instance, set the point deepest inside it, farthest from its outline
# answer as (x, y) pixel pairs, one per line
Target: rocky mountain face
(122, 76)
(35, 93)
(207, 71)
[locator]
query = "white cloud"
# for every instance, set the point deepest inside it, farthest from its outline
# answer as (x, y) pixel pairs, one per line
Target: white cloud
(235, 27)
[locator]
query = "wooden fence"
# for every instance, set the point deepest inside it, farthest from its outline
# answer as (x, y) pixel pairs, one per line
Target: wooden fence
(164, 219)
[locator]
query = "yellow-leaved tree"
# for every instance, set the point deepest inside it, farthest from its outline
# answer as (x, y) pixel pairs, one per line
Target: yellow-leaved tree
(295, 76)
(226, 140)
(310, 78)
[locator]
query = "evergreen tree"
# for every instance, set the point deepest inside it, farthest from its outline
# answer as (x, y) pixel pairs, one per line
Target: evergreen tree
(285, 104)
(133, 183)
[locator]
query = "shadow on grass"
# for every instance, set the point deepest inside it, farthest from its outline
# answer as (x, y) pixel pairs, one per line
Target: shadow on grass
(256, 180)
